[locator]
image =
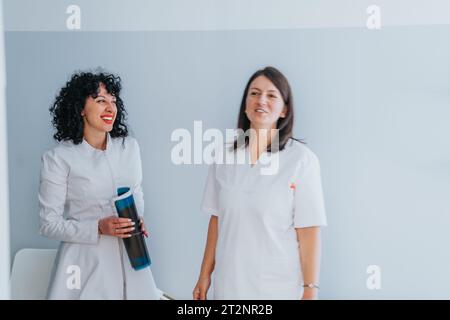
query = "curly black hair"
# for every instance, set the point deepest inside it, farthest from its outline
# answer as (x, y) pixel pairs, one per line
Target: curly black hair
(67, 108)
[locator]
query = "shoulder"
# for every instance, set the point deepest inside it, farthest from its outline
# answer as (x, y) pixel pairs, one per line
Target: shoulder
(301, 152)
(60, 151)
(128, 144)
(59, 157)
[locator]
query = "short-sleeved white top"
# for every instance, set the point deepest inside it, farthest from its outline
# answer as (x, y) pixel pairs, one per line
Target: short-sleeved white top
(257, 253)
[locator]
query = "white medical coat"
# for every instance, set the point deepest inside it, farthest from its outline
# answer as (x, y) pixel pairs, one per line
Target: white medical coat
(80, 181)
(257, 252)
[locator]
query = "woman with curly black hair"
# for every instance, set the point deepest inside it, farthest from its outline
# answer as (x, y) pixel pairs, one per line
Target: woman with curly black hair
(79, 177)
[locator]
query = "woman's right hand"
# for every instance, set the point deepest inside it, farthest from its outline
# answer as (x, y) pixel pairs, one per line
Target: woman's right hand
(201, 289)
(116, 227)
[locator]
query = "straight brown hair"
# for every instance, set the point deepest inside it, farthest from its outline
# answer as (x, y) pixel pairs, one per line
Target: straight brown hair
(284, 125)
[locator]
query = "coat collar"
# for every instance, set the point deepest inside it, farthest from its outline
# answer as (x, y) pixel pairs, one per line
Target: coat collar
(86, 146)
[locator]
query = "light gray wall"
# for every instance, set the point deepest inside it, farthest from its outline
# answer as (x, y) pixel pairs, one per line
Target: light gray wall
(4, 188)
(374, 106)
(195, 15)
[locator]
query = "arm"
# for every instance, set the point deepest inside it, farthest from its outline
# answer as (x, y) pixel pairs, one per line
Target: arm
(309, 216)
(52, 199)
(208, 263)
(138, 193)
(310, 248)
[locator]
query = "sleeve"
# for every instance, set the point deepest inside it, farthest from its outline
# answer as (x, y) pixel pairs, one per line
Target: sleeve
(309, 207)
(210, 203)
(138, 193)
(52, 199)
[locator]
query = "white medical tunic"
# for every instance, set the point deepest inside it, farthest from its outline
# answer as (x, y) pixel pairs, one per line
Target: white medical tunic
(77, 184)
(257, 252)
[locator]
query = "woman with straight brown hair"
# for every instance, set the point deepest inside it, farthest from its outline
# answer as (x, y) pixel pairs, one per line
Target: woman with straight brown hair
(264, 232)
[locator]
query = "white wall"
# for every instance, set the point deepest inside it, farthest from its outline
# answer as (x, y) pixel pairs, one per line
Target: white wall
(4, 197)
(195, 15)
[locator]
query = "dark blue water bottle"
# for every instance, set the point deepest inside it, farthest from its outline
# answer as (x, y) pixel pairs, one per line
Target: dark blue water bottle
(135, 245)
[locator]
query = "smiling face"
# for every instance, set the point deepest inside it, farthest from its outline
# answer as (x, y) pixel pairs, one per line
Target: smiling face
(99, 113)
(264, 104)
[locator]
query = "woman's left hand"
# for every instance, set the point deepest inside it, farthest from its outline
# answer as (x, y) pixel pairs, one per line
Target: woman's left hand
(143, 229)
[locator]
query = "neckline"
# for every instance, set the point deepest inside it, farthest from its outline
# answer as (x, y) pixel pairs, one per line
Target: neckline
(249, 157)
(263, 154)
(87, 146)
